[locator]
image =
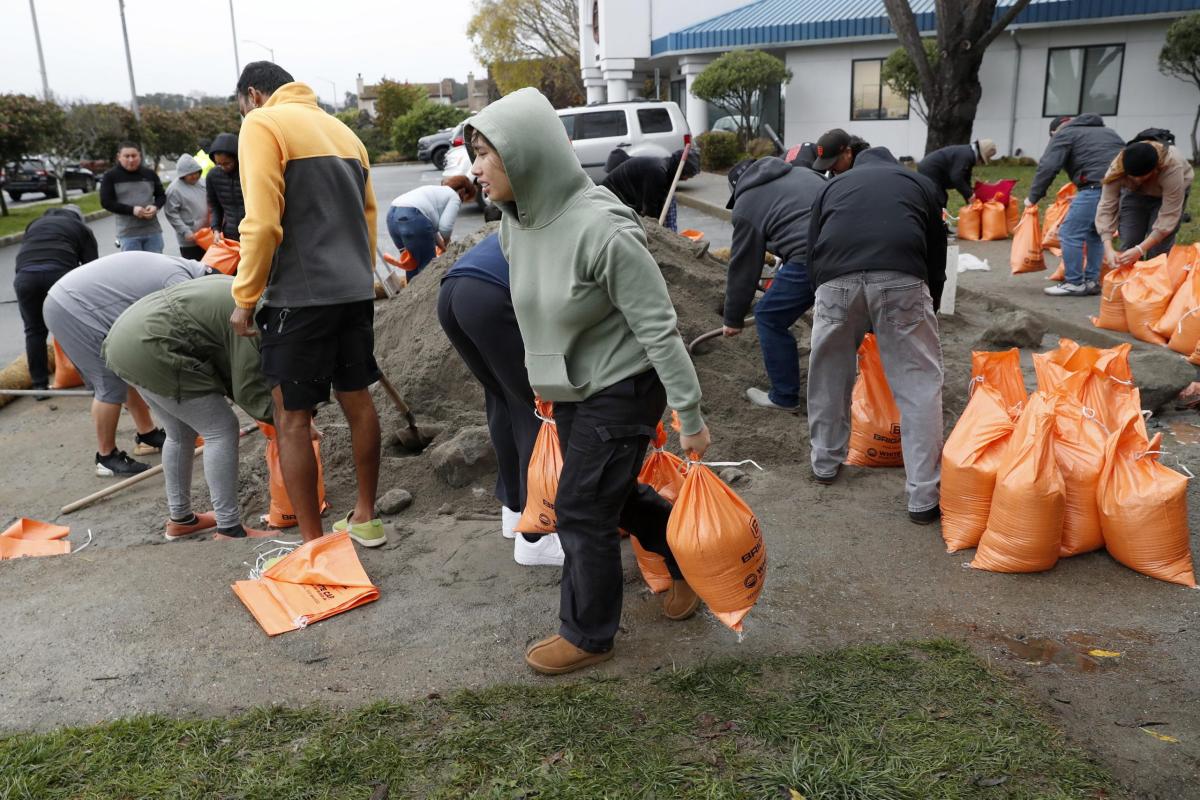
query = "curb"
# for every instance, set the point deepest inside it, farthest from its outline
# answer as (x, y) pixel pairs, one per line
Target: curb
(14, 238)
(720, 212)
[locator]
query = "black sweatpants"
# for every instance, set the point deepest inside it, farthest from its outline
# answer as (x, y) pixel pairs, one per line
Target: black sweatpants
(31, 287)
(1138, 214)
(604, 441)
(478, 318)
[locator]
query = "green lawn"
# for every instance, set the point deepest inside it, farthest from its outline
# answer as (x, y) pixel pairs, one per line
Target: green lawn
(19, 218)
(918, 721)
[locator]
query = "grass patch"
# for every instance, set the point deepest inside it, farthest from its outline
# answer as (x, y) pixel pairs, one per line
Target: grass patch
(20, 217)
(920, 721)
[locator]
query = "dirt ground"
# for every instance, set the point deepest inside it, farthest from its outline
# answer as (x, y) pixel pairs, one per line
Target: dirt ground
(133, 624)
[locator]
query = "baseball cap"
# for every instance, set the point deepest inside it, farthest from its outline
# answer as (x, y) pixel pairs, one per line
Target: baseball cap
(829, 147)
(735, 173)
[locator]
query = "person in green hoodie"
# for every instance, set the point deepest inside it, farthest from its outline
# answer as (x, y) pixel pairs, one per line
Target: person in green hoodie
(601, 343)
(177, 347)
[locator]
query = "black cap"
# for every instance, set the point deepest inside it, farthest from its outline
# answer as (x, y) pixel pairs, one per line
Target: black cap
(831, 145)
(1139, 159)
(735, 173)
(1057, 123)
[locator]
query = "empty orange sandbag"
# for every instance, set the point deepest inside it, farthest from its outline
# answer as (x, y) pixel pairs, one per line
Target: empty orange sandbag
(663, 472)
(223, 255)
(545, 465)
(1026, 252)
(1025, 525)
(874, 417)
(313, 582)
(1112, 300)
(1143, 507)
(970, 221)
(65, 374)
(994, 225)
(1002, 371)
(1055, 215)
(970, 459)
(719, 546)
(1079, 442)
(281, 514)
(30, 538)
(1147, 294)
(204, 238)
(1012, 214)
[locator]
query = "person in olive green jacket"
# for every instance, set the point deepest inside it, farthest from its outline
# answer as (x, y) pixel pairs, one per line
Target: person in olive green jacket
(601, 343)
(177, 347)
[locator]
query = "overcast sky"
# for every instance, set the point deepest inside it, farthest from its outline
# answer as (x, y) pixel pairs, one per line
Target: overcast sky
(183, 47)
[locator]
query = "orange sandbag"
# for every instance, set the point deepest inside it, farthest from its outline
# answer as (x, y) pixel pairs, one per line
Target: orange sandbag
(1025, 525)
(1012, 215)
(719, 546)
(1183, 301)
(1180, 260)
(1143, 507)
(1147, 294)
(1112, 300)
(1186, 335)
(1055, 215)
(663, 472)
(994, 224)
(1001, 371)
(407, 263)
(65, 374)
(1079, 441)
(281, 514)
(313, 582)
(1100, 379)
(223, 255)
(874, 417)
(30, 538)
(1026, 252)
(970, 221)
(204, 238)
(970, 458)
(545, 465)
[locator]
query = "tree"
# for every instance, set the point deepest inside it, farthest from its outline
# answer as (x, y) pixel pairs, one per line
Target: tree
(737, 81)
(27, 125)
(167, 133)
(91, 131)
(536, 42)
(951, 91)
(1180, 58)
(207, 121)
(394, 100)
(556, 78)
(900, 75)
(423, 119)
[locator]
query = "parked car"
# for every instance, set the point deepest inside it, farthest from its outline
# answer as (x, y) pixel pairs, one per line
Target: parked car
(730, 125)
(433, 148)
(34, 175)
(640, 128)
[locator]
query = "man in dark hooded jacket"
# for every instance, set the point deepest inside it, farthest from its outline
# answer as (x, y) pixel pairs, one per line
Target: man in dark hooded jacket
(225, 204)
(952, 167)
(643, 182)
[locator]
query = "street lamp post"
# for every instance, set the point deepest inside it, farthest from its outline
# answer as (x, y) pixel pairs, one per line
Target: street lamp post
(137, 113)
(270, 50)
(237, 62)
(335, 94)
(37, 36)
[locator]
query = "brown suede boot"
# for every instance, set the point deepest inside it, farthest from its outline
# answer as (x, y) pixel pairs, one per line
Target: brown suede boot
(556, 656)
(680, 602)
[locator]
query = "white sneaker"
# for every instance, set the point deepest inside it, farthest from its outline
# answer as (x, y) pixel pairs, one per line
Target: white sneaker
(763, 400)
(509, 520)
(546, 552)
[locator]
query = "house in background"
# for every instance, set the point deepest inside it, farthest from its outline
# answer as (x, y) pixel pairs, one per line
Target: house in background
(1059, 57)
(472, 95)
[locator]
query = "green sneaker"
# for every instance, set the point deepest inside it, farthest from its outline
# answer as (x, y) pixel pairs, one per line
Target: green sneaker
(368, 534)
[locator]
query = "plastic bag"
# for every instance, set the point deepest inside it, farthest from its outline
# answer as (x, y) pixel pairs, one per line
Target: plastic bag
(970, 459)
(1012, 215)
(1079, 442)
(65, 374)
(1055, 215)
(874, 417)
(545, 465)
(27, 538)
(223, 255)
(281, 514)
(994, 222)
(1143, 507)
(663, 472)
(1002, 371)
(719, 546)
(1112, 300)
(1147, 294)
(1025, 524)
(313, 582)
(1026, 253)
(1000, 189)
(204, 238)
(970, 221)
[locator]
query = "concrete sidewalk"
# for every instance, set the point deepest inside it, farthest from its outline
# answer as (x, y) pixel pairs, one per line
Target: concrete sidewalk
(707, 192)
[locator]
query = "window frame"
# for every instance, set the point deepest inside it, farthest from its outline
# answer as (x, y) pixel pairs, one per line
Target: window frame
(614, 111)
(1079, 99)
(908, 103)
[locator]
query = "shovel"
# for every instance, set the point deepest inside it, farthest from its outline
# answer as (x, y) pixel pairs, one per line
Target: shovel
(410, 438)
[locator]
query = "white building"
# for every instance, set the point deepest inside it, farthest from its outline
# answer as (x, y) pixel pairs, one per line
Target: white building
(1059, 57)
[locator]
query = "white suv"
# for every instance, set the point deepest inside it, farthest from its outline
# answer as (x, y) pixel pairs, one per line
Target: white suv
(640, 128)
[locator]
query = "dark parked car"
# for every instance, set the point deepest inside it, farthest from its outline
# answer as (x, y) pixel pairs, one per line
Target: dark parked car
(433, 148)
(34, 175)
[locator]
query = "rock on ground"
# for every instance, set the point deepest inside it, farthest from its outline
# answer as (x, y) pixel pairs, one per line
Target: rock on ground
(1160, 376)
(1014, 329)
(394, 501)
(465, 458)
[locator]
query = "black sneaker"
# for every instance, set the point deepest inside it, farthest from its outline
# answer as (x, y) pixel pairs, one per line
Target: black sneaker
(927, 517)
(826, 480)
(40, 397)
(145, 444)
(118, 463)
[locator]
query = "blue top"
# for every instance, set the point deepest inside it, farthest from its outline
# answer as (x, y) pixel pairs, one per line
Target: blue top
(484, 261)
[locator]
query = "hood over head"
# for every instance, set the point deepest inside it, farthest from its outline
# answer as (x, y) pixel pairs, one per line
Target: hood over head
(875, 155)
(67, 210)
(186, 165)
(542, 167)
(224, 143)
(764, 170)
(1086, 120)
(691, 167)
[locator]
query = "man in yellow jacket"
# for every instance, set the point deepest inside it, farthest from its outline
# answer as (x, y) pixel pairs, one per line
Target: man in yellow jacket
(308, 252)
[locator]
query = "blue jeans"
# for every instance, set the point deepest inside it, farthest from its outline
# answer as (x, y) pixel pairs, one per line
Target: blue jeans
(790, 295)
(1078, 230)
(412, 231)
(151, 244)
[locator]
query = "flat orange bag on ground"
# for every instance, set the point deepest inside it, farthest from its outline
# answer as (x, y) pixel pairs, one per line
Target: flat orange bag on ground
(204, 238)
(719, 546)
(994, 226)
(30, 537)
(1079, 442)
(663, 472)
(281, 514)
(1012, 214)
(1112, 300)
(874, 417)
(1025, 525)
(970, 221)
(1143, 507)
(223, 255)
(1055, 215)
(65, 374)
(1002, 371)
(970, 459)
(545, 465)
(1147, 294)
(313, 582)
(1026, 252)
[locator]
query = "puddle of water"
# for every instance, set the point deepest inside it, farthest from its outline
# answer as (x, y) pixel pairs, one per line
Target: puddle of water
(1042, 652)
(1182, 429)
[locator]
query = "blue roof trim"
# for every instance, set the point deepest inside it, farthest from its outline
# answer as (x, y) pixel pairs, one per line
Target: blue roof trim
(767, 23)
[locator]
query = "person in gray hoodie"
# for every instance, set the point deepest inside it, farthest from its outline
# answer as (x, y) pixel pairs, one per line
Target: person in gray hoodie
(187, 206)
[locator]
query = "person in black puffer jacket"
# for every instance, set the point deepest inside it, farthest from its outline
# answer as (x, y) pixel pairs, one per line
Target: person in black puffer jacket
(643, 182)
(225, 205)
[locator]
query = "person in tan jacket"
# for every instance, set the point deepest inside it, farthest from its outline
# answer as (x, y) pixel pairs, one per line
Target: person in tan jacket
(1144, 195)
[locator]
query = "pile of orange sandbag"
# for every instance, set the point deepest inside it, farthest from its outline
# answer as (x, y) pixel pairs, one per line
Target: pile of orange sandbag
(1158, 301)
(989, 222)
(1066, 471)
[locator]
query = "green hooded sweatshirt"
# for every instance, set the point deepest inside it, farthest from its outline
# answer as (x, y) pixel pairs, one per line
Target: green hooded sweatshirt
(178, 343)
(591, 302)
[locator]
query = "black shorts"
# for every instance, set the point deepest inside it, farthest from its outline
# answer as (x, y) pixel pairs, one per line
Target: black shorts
(307, 350)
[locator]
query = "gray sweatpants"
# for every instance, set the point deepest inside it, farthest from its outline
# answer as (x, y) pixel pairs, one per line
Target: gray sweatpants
(211, 417)
(898, 308)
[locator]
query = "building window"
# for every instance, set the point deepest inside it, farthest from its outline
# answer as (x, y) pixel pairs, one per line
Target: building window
(1083, 80)
(869, 97)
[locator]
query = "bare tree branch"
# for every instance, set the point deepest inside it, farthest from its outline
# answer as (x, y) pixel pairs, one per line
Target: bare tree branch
(905, 26)
(1005, 20)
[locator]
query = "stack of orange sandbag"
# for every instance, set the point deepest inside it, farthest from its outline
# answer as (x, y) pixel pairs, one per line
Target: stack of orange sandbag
(1156, 300)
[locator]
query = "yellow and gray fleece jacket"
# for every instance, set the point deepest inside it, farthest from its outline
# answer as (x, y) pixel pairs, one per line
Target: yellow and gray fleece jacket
(308, 237)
